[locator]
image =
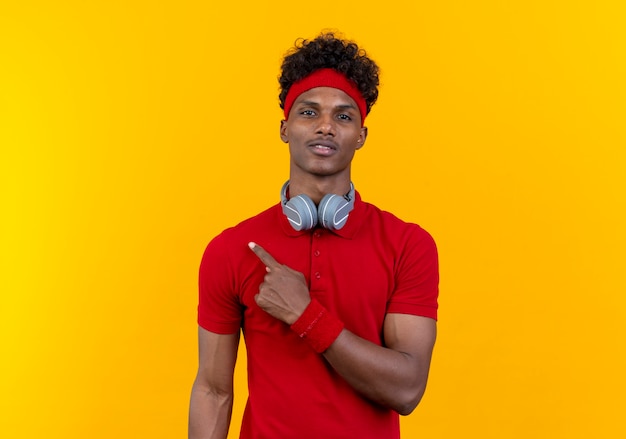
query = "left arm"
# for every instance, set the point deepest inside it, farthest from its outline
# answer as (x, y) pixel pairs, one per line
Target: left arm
(393, 375)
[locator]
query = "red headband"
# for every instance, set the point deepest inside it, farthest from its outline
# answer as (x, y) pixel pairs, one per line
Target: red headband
(326, 78)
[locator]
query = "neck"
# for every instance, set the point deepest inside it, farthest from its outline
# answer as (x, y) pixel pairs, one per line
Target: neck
(316, 189)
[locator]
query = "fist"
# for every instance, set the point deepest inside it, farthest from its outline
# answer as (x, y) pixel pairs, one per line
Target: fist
(283, 293)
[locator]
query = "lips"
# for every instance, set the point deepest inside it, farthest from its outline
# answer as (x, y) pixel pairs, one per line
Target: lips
(323, 147)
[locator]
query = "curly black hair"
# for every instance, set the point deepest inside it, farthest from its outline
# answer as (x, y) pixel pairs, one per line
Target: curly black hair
(328, 51)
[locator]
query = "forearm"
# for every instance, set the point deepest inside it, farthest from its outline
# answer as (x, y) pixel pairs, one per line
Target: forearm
(209, 413)
(388, 377)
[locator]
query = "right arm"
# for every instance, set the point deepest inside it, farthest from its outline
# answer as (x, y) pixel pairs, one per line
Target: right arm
(212, 393)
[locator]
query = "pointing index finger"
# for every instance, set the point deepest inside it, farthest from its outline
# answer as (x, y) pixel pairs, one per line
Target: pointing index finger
(264, 256)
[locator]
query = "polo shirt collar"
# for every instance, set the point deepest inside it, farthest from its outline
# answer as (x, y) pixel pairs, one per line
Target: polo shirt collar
(355, 219)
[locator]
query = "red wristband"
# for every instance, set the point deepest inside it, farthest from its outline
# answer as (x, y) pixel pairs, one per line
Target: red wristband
(317, 326)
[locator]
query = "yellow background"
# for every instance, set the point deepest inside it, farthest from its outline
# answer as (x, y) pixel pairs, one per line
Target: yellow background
(133, 132)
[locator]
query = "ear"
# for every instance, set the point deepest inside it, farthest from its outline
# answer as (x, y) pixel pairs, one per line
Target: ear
(362, 136)
(283, 131)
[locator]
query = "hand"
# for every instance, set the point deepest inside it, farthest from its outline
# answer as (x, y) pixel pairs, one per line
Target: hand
(284, 293)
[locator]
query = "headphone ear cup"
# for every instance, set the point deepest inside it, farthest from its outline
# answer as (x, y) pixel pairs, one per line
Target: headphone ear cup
(333, 211)
(301, 212)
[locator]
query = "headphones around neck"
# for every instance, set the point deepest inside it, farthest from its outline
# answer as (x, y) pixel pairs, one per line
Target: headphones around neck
(332, 212)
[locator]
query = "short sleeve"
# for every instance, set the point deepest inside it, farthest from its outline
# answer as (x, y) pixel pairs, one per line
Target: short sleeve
(219, 307)
(416, 276)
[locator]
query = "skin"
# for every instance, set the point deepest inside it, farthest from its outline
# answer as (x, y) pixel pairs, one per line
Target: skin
(330, 118)
(212, 392)
(323, 132)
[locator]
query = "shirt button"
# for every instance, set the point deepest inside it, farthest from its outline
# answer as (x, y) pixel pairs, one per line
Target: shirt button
(318, 275)
(317, 234)
(316, 253)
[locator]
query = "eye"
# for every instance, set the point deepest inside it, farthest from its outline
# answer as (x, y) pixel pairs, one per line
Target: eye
(344, 116)
(307, 112)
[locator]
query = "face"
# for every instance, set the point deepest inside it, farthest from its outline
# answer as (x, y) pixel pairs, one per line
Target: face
(323, 131)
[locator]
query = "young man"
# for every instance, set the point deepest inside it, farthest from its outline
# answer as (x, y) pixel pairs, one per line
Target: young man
(337, 300)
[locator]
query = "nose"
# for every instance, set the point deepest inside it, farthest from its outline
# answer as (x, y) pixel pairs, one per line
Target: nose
(326, 125)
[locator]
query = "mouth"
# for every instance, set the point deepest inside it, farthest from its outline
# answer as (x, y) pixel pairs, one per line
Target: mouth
(322, 147)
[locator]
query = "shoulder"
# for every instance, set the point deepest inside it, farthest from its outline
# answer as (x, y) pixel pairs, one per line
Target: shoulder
(264, 219)
(237, 237)
(394, 227)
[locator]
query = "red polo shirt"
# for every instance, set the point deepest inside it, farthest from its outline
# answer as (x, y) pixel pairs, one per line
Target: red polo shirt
(376, 264)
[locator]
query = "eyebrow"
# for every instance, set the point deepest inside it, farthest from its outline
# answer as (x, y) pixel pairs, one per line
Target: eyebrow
(317, 104)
